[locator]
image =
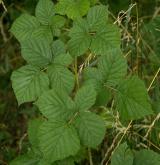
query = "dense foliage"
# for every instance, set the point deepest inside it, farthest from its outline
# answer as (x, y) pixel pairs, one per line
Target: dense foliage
(85, 74)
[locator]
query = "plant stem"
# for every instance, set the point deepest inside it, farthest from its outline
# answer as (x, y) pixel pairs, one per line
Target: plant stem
(76, 73)
(90, 156)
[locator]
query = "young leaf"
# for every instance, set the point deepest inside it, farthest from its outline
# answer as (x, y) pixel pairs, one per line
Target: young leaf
(91, 129)
(58, 140)
(61, 78)
(45, 11)
(146, 157)
(29, 83)
(113, 67)
(73, 9)
(55, 104)
(37, 52)
(25, 26)
(122, 155)
(85, 98)
(132, 99)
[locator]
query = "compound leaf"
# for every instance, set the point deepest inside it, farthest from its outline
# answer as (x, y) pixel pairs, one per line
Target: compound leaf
(93, 33)
(29, 83)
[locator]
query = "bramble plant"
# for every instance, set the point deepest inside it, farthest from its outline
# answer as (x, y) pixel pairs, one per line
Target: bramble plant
(76, 74)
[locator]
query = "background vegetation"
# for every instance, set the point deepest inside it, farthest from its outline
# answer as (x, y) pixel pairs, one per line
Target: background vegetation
(140, 24)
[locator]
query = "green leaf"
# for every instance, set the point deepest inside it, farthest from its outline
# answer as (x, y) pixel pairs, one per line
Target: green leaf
(26, 159)
(63, 59)
(43, 32)
(85, 98)
(80, 38)
(92, 76)
(132, 99)
(122, 155)
(81, 155)
(55, 104)
(113, 67)
(58, 48)
(93, 33)
(146, 157)
(97, 16)
(91, 129)
(25, 26)
(33, 131)
(58, 140)
(103, 96)
(73, 9)
(61, 78)
(45, 11)
(37, 52)
(90, 73)
(29, 83)
(67, 161)
(105, 39)
(57, 22)
(92, 2)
